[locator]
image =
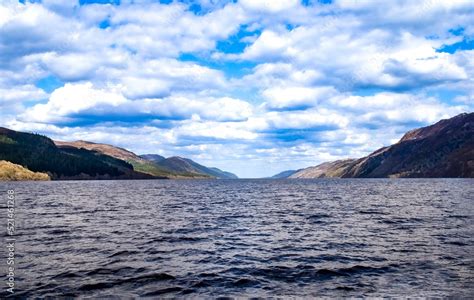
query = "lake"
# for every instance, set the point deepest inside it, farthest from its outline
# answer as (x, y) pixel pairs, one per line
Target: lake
(201, 238)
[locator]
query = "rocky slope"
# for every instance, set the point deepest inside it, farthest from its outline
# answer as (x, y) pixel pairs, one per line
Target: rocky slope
(444, 149)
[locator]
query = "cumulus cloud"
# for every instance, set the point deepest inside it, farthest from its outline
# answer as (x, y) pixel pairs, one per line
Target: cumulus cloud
(269, 6)
(157, 78)
(288, 98)
(375, 58)
(82, 102)
(294, 85)
(72, 99)
(24, 93)
(394, 108)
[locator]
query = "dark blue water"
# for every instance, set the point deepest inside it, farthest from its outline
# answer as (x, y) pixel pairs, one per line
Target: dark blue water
(202, 238)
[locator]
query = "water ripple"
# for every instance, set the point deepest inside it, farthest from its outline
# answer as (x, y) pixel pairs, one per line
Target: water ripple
(251, 238)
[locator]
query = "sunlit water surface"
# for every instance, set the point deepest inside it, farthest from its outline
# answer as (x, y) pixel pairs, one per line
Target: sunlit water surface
(203, 238)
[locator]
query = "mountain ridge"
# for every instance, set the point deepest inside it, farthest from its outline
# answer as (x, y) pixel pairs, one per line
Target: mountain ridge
(38, 153)
(84, 160)
(443, 149)
(139, 164)
(182, 164)
(152, 164)
(285, 174)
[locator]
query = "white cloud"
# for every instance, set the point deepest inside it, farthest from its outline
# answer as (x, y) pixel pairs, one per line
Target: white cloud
(71, 99)
(269, 45)
(156, 78)
(293, 84)
(24, 93)
(321, 119)
(294, 97)
(215, 130)
(71, 67)
(83, 101)
(375, 58)
(270, 6)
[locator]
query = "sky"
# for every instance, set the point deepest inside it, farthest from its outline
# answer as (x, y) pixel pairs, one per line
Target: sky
(254, 87)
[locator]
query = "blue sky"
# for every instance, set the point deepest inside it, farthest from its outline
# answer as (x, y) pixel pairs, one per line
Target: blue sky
(254, 87)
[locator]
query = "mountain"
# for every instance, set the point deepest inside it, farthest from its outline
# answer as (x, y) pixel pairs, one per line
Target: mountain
(139, 164)
(285, 174)
(110, 150)
(444, 149)
(328, 169)
(38, 153)
(153, 157)
(223, 174)
(185, 165)
(86, 160)
(153, 164)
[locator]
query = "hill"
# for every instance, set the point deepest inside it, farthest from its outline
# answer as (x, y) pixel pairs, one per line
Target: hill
(153, 157)
(328, 169)
(153, 164)
(444, 149)
(139, 164)
(223, 174)
(285, 174)
(188, 166)
(39, 154)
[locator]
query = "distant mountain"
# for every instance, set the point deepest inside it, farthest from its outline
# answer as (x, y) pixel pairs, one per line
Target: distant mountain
(26, 153)
(445, 149)
(106, 149)
(153, 164)
(285, 174)
(328, 169)
(38, 153)
(185, 165)
(153, 157)
(223, 174)
(139, 164)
